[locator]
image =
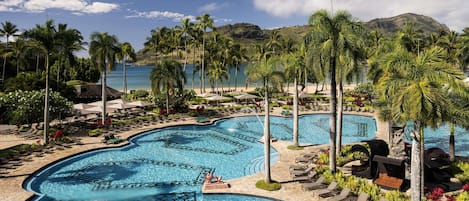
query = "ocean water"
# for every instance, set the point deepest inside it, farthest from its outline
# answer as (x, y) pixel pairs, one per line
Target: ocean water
(138, 77)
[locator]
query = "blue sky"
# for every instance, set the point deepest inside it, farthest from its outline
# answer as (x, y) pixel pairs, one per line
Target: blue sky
(132, 20)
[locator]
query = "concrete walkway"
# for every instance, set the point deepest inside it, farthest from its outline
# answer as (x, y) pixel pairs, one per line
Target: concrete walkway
(11, 184)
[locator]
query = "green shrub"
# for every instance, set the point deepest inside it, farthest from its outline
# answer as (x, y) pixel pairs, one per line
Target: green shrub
(95, 132)
(273, 186)
(395, 196)
(460, 171)
(464, 196)
(294, 147)
(287, 107)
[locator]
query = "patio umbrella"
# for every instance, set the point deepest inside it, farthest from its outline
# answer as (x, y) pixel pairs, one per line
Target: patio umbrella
(118, 101)
(246, 96)
(205, 95)
(216, 98)
(303, 95)
(120, 106)
(96, 103)
(98, 109)
(80, 106)
(140, 103)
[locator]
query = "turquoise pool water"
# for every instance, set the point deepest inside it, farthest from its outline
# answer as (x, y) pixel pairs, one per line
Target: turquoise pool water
(172, 161)
(439, 137)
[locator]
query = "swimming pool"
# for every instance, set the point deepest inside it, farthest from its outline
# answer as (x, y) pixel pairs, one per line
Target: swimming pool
(172, 161)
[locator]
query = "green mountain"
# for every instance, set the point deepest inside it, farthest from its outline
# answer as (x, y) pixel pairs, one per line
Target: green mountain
(393, 24)
(248, 35)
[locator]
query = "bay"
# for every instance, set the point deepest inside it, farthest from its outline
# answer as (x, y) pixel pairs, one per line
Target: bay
(138, 77)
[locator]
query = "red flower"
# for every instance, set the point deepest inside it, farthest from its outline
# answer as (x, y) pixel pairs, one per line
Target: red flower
(465, 187)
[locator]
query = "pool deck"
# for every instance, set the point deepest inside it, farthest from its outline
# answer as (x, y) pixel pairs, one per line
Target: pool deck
(12, 189)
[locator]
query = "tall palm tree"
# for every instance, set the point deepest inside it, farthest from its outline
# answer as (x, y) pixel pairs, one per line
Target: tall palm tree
(292, 63)
(167, 77)
(205, 21)
(126, 52)
(186, 27)
(68, 42)
(217, 72)
(238, 55)
(275, 42)
(416, 88)
(464, 48)
(331, 39)
(267, 71)
(103, 51)
(8, 29)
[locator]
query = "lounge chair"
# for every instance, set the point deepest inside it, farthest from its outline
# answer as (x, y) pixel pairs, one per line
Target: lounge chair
(329, 191)
(314, 185)
(111, 139)
(313, 174)
(363, 197)
(302, 172)
(342, 196)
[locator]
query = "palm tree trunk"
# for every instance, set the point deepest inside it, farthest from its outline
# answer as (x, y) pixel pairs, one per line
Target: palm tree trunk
(3, 71)
(267, 178)
(416, 165)
(340, 117)
(185, 54)
(203, 63)
(333, 117)
(193, 76)
(452, 152)
(46, 103)
(236, 77)
(295, 113)
(125, 76)
(306, 81)
(37, 63)
(58, 71)
(103, 96)
(167, 100)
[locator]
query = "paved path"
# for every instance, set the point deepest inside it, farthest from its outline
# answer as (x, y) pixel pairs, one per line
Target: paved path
(11, 185)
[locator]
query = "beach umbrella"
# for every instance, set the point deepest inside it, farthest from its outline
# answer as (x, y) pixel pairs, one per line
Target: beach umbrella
(80, 106)
(118, 101)
(216, 98)
(140, 103)
(205, 95)
(97, 103)
(98, 109)
(303, 95)
(120, 106)
(246, 96)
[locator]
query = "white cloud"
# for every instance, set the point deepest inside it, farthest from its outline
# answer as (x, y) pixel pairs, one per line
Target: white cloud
(453, 13)
(177, 17)
(211, 7)
(78, 7)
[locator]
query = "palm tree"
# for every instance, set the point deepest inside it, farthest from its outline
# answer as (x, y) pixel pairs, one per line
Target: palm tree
(292, 63)
(153, 43)
(238, 54)
(415, 86)
(103, 51)
(168, 76)
(8, 29)
(217, 72)
(68, 42)
(205, 22)
(267, 71)
(185, 30)
(275, 42)
(464, 56)
(331, 40)
(126, 51)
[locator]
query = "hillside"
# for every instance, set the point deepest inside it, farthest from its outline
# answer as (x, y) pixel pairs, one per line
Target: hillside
(393, 24)
(248, 35)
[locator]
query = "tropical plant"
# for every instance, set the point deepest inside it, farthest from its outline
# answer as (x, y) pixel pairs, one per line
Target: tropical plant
(126, 52)
(331, 43)
(167, 77)
(267, 71)
(205, 21)
(217, 72)
(8, 29)
(103, 51)
(416, 88)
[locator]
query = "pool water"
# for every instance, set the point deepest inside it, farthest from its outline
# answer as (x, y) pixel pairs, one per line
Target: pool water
(439, 137)
(172, 161)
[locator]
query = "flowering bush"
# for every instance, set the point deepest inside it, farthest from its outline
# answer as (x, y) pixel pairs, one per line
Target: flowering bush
(465, 187)
(21, 107)
(436, 194)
